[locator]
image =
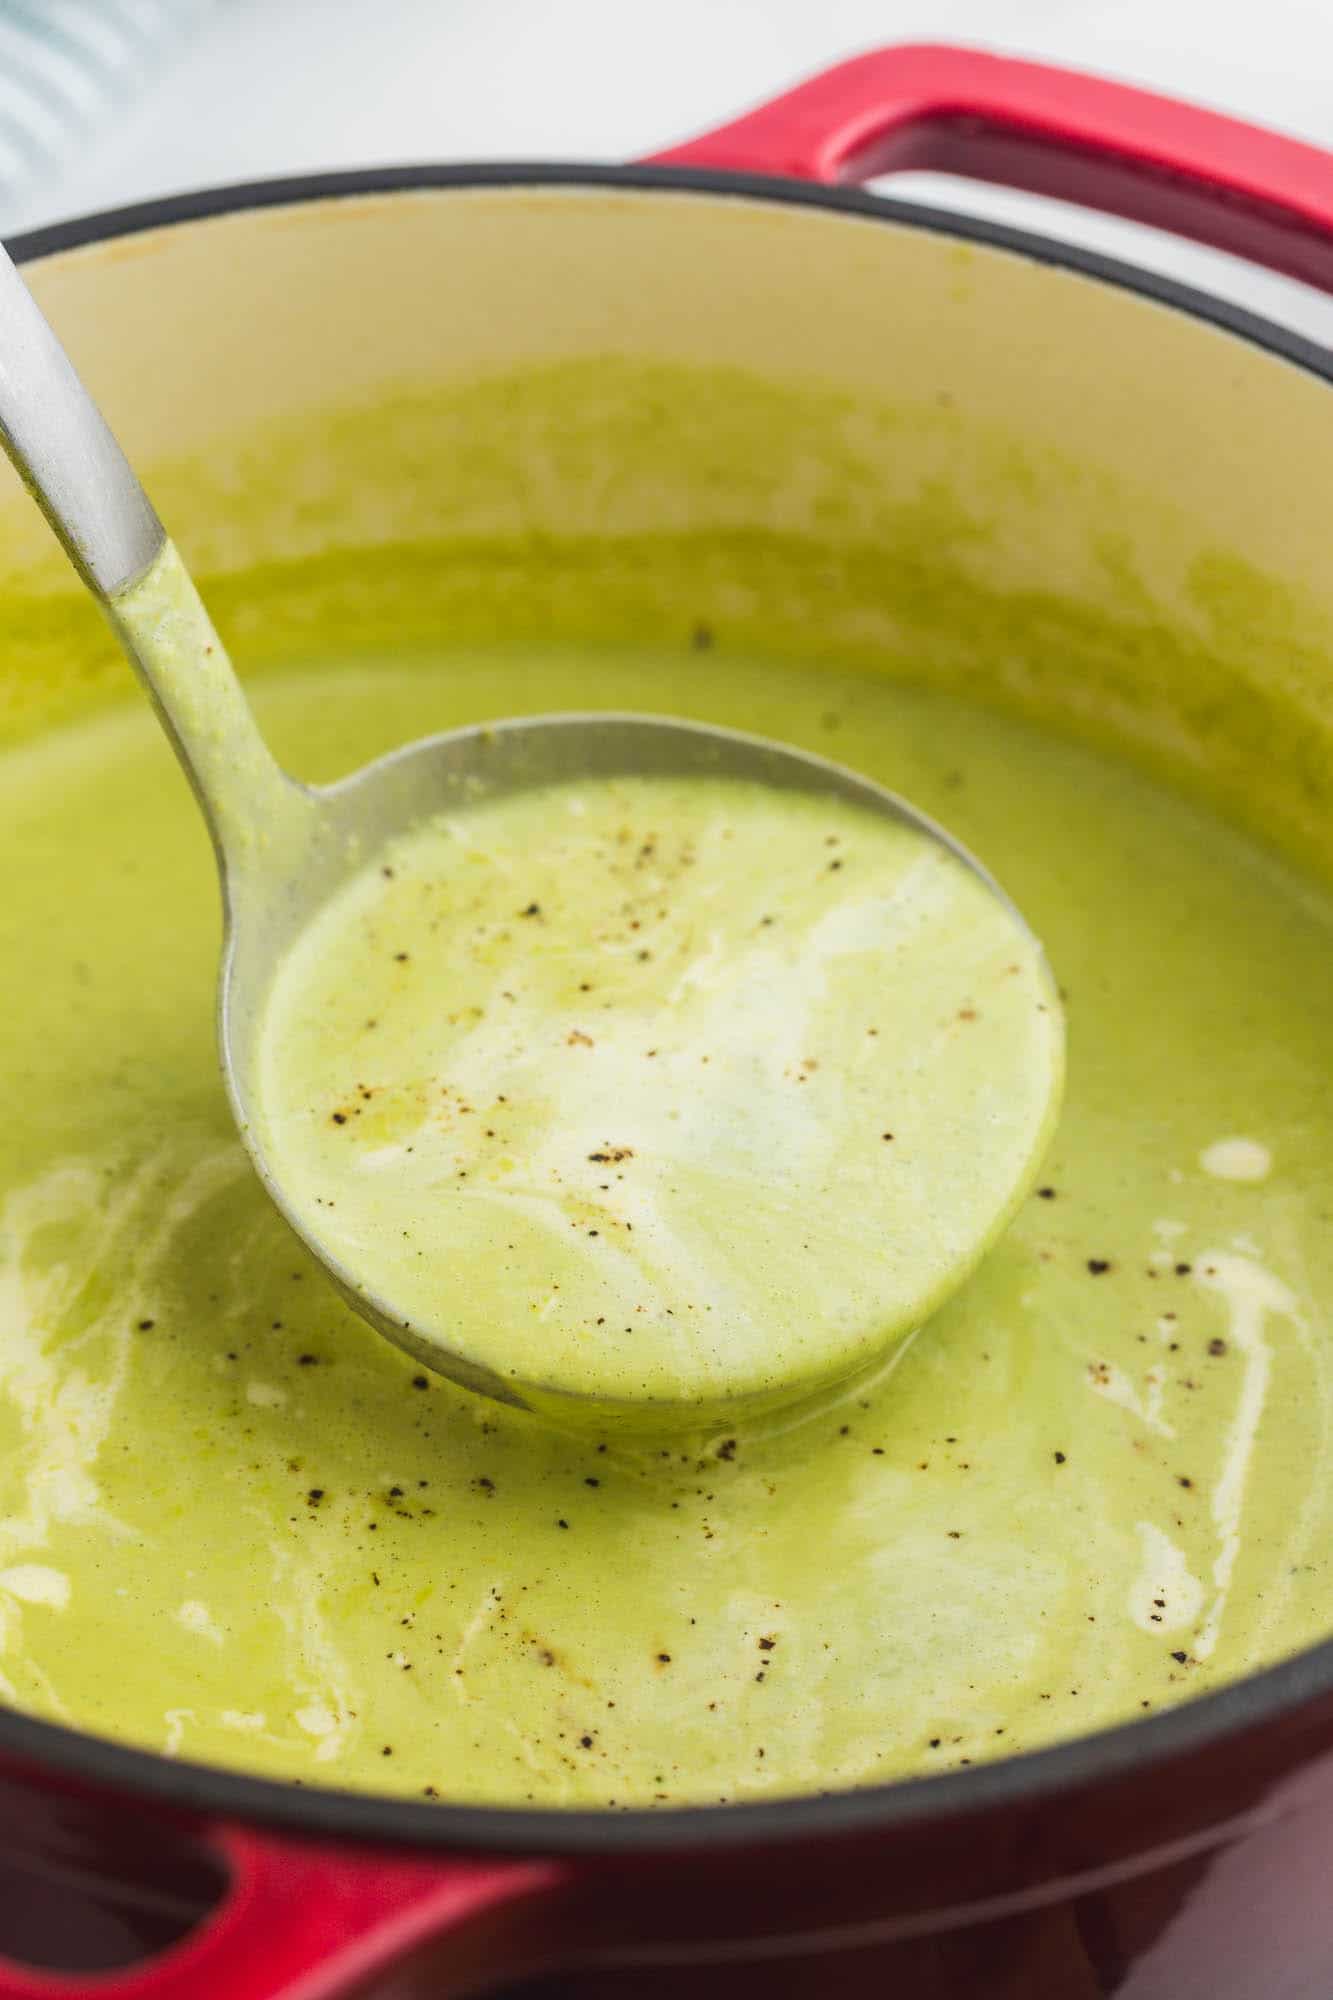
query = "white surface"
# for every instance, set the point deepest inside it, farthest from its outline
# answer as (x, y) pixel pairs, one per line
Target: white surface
(67, 69)
(282, 86)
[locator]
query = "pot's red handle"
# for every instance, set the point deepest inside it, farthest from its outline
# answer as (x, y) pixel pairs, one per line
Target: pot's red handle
(1049, 131)
(302, 1921)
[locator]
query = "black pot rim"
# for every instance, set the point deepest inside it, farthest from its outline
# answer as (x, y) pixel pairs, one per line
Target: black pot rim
(1195, 1726)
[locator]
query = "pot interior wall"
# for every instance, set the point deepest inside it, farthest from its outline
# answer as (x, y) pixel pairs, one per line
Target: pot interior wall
(596, 415)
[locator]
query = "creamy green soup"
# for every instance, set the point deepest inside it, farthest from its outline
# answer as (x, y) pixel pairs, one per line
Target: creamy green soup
(236, 1525)
(660, 1098)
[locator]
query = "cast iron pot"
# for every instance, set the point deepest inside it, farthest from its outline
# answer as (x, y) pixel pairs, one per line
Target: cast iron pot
(1186, 1855)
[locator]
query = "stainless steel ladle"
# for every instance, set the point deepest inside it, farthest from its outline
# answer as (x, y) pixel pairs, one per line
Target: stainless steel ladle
(283, 847)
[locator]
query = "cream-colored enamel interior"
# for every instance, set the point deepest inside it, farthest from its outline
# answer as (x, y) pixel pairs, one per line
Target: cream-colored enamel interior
(993, 422)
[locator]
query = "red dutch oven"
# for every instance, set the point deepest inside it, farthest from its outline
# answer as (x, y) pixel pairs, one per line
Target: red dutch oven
(1185, 1857)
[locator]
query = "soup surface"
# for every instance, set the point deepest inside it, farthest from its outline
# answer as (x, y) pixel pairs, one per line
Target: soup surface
(237, 1526)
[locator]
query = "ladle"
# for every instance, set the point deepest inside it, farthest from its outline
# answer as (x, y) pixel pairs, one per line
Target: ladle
(284, 848)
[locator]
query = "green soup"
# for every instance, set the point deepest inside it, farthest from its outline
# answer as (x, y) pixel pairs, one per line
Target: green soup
(237, 1526)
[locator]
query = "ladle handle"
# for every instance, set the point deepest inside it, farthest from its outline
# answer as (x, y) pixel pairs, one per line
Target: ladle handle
(63, 449)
